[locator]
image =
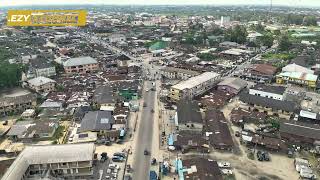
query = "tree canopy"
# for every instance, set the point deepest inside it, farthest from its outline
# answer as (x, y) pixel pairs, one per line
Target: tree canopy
(237, 34)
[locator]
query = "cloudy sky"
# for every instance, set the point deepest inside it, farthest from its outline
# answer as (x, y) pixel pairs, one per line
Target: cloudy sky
(315, 3)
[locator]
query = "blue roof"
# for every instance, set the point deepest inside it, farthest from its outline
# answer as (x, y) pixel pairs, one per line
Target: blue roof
(170, 140)
(180, 169)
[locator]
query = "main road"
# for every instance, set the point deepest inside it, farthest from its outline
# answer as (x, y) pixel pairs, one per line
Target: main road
(141, 163)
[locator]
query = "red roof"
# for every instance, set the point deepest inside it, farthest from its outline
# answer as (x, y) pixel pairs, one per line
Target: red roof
(264, 69)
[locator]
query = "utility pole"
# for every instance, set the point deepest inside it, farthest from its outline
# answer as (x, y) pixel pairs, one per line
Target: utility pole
(270, 10)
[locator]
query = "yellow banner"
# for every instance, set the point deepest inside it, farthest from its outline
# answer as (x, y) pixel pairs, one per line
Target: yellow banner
(46, 17)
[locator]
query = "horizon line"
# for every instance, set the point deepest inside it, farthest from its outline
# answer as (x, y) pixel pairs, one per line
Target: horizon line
(221, 5)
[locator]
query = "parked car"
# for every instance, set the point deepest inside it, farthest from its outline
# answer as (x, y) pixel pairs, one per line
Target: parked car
(153, 175)
(260, 156)
(290, 153)
(117, 159)
(153, 161)
(266, 156)
(127, 177)
(226, 171)
(114, 166)
(121, 154)
(224, 164)
(100, 141)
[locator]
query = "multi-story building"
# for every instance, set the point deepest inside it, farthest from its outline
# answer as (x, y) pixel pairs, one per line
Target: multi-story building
(16, 101)
(259, 73)
(42, 84)
(81, 65)
(178, 73)
(41, 67)
(67, 161)
(194, 86)
(300, 78)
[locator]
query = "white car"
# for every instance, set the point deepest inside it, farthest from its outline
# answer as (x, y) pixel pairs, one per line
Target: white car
(226, 171)
(224, 164)
(147, 90)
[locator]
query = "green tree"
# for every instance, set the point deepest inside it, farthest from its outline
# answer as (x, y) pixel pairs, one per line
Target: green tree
(237, 34)
(10, 74)
(266, 40)
(9, 33)
(284, 43)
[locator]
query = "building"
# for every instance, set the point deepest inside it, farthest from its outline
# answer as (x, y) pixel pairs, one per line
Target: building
(188, 116)
(198, 168)
(16, 101)
(298, 132)
(194, 86)
(228, 44)
(123, 61)
(28, 131)
(299, 78)
(115, 38)
(97, 121)
(42, 84)
(269, 106)
(217, 131)
(234, 53)
(41, 67)
(81, 65)
(296, 68)
(189, 140)
(232, 85)
(259, 72)
(253, 36)
(178, 73)
(59, 161)
(268, 91)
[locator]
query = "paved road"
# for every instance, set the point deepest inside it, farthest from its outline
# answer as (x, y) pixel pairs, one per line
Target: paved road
(141, 164)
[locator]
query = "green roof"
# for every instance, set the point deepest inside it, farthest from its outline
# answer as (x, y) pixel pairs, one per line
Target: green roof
(158, 45)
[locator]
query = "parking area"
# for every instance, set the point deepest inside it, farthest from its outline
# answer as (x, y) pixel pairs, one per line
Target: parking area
(111, 169)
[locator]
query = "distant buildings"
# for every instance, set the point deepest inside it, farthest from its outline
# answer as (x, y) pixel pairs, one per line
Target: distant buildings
(194, 86)
(81, 65)
(42, 84)
(115, 38)
(53, 161)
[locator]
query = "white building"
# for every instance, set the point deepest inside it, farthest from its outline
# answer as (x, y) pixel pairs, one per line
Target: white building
(194, 86)
(272, 92)
(115, 38)
(57, 161)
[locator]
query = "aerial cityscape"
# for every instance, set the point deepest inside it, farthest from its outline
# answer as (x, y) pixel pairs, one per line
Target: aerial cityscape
(172, 90)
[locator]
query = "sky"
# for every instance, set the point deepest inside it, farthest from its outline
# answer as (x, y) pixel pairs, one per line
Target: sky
(298, 3)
